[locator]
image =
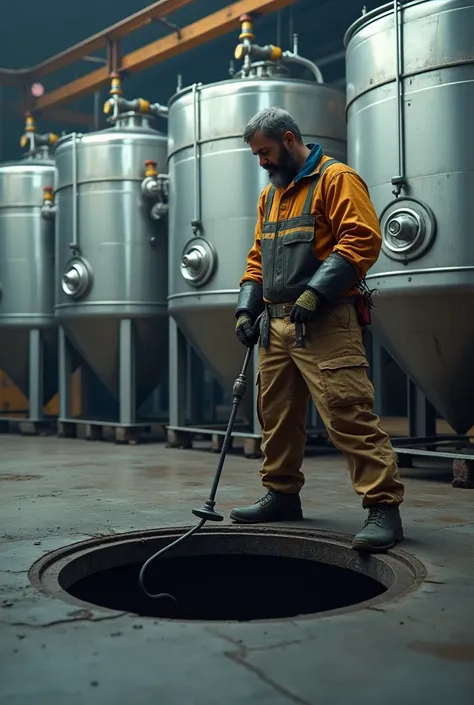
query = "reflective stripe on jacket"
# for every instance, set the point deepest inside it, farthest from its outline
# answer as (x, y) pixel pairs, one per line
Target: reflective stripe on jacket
(339, 217)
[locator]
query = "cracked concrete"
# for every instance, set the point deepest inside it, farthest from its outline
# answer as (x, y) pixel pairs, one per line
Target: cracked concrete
(54, 492)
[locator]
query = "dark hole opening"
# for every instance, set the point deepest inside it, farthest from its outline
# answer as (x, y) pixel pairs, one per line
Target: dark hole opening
(228, 587)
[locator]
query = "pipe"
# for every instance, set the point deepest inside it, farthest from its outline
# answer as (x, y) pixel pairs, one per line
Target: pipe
(196, 222)
(74, 246)
(399, 180)
(96, 110)
(288, 57)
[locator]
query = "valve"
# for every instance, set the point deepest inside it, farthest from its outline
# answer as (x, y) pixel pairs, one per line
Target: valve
(48, 209)
(248, 51)
(155, 186)
(32, 139)
(117, 104)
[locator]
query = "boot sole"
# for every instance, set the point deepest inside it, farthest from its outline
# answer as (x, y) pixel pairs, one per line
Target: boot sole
(367, 547)
(239, 520)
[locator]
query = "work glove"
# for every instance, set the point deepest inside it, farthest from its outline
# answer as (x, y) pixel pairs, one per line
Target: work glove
(245, 331)
(305, 307)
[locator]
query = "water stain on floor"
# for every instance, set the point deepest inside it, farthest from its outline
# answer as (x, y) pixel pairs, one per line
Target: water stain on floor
(463, 652)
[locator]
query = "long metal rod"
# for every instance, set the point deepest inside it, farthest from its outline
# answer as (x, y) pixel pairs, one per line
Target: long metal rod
(74, 243)
(196, 223)
(228, 434)
(399, 180)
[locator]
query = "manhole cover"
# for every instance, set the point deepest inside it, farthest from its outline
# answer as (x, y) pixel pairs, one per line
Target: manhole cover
(244, 573)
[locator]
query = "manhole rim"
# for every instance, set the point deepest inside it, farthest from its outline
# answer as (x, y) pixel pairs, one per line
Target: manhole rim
(408, 572)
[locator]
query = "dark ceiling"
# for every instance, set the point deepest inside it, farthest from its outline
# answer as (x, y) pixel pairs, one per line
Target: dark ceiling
(33, 32)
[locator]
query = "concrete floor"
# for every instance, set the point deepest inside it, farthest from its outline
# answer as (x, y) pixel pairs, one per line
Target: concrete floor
(416, 650)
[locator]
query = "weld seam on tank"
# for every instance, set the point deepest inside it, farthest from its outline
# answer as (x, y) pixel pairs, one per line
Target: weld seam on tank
(237, 135)
(430, 270)
(409, 74)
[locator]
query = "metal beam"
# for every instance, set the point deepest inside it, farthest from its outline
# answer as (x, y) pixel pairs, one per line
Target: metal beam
(113, 33)
(204, 30)
(60, 115)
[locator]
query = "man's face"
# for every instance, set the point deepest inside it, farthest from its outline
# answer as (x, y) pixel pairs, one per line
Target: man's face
(278, 158)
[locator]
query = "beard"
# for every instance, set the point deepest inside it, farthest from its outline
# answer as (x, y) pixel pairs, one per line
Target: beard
(282, 174)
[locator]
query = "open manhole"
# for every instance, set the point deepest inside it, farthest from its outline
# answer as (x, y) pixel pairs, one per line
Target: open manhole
(244, 573)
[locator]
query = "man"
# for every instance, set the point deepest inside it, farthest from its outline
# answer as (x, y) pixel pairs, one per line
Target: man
(316, 237)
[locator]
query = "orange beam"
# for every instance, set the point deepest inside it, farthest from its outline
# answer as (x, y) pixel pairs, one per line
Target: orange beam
(117, 31)
(97, 41)
(59, 114)
(204, 30)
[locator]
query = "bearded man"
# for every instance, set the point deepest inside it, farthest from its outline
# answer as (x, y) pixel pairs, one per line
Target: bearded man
(317, 235)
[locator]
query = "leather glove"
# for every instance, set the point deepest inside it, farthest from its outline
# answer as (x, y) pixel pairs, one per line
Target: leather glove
(305, 307)
(244, 330)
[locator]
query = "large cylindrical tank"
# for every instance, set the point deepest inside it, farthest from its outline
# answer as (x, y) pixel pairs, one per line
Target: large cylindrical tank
(112, 245)
(410, 98)
(215, 183)
(27, 265)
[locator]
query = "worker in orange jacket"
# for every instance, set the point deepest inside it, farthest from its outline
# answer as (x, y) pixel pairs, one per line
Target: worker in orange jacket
(317, 235)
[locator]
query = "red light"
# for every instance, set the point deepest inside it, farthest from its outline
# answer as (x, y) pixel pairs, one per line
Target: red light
(37, 89)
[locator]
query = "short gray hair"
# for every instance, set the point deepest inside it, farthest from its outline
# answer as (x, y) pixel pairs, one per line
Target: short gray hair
(272, 123)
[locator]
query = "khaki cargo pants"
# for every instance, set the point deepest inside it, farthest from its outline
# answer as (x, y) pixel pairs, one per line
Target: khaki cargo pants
(332, 369)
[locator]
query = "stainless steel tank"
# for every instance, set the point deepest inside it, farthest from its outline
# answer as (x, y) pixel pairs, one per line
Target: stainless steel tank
(410, 99)
(28, 350)
(112, 244)
(215, 183)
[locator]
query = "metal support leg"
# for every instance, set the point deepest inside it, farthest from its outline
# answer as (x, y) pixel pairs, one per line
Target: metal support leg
(421, 413)
(194, 387)
(36, 376)
(65, 374)
(177, 378)
(127, 387)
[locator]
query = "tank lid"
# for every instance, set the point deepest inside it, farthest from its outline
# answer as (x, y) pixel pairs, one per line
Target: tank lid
(369, 17)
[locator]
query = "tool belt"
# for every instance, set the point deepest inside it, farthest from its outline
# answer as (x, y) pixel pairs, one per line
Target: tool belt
(283, 310)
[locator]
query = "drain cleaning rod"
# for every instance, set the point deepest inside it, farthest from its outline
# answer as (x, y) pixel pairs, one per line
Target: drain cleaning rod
(207, 512)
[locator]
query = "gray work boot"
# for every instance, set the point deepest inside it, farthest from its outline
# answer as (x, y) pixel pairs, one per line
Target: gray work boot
(275, 506)
(382, 529)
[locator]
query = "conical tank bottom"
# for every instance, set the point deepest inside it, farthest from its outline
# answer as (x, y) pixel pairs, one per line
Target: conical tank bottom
(14, 359)
(432, 337)
(97, 340)
(211, 331)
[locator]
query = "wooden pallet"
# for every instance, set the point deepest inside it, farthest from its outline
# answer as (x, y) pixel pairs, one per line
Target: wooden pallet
(185, 438)
(111, 432)
(25, 427)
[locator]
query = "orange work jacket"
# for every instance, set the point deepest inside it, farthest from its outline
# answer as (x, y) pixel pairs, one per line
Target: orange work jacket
(342, 219)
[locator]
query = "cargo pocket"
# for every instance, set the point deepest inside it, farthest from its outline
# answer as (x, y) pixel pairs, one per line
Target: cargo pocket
(345, 381)
(259, 401)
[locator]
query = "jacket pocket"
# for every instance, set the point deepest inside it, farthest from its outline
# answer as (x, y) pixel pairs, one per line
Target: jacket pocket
(345, 381)
(299, 261)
